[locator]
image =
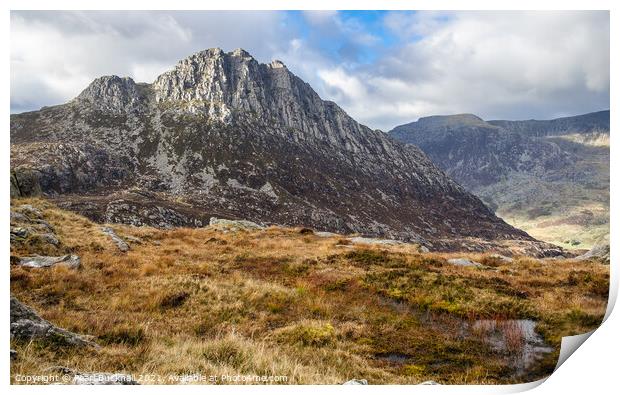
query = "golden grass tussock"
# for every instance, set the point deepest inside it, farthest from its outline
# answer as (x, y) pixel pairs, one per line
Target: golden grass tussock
(284, 302)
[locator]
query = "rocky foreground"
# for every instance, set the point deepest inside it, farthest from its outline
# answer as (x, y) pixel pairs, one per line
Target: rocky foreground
(236, 299)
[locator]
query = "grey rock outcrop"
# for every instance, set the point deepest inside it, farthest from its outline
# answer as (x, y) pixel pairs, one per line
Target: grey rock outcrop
(120, 243)
(28, 227)
(38, 261)
(599, 252)
(25, 183)
(112, 94)
(27, 325)
(463, 262)
(356, 382)
(234, 225)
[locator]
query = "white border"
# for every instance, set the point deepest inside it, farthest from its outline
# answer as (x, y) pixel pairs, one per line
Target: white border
(593, 368)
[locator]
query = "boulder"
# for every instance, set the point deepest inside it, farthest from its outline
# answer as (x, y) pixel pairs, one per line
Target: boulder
(598, 252)
(30, 211)
(50, 238)
(24, 183)
(463, 262)
(356, 382)
(18, 231)
(26, 325)
(38, 261)
(234, 225)
(120, 243)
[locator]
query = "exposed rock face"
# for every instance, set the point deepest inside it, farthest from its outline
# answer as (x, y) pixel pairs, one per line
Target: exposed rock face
(25, 183)
(29, 228)
(120, 243)
(356, 382)
(112, 94)
(550, 177)
(476, 153)
(37, 261)
(27, 325)
(222, 135)
(599, 252)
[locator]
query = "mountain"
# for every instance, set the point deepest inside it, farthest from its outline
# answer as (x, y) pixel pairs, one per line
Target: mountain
(550, 178)
(586, 124)
(222, 135)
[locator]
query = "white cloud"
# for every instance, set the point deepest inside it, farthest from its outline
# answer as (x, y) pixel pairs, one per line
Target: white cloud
(494, 64)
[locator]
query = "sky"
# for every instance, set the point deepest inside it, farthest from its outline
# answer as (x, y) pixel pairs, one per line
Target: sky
(385, 68)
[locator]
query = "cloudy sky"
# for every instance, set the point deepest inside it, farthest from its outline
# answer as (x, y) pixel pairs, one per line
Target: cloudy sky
(384, 68)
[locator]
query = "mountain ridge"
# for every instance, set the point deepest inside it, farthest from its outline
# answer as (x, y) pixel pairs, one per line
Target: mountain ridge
(221, 134)
(548, 177)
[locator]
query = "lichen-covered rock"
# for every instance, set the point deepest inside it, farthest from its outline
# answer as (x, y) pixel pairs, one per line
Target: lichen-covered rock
(463, 262)
(24, 183)
(120, 243)
(356, 382)
(599, 252)
(18, 231)
(113, 94)
(37, 261)
(26, 325)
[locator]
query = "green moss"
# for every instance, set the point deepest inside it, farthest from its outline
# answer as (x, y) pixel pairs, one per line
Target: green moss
(311, 334)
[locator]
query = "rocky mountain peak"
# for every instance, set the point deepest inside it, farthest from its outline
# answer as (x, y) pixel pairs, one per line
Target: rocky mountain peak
(277, 64)
(112, 94)
(234, 138)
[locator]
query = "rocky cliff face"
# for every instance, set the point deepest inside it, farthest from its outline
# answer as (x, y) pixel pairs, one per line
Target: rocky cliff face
(477, 153)
(549, 177)
(222, 135)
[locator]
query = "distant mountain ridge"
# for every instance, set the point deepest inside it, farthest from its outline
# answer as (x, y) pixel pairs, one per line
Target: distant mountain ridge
(550, 177)
(594, 122)
(223, 135)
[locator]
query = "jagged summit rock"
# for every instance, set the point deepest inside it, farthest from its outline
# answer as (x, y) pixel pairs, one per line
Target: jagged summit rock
(112, 94)
(205, 138)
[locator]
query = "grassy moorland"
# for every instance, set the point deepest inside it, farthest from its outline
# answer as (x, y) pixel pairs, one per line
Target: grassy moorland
(290, 303)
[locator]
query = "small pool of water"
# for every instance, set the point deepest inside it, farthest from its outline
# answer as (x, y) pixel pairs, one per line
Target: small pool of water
(515, 337)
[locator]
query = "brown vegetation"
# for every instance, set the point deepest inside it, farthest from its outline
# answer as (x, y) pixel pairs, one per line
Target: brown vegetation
(286, 302)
